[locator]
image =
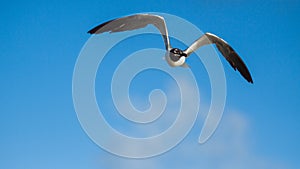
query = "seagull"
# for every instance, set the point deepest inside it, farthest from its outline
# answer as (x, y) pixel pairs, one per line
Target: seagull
(175, 57)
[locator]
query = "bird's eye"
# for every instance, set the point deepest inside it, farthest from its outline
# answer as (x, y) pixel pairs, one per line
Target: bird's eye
(175, 51)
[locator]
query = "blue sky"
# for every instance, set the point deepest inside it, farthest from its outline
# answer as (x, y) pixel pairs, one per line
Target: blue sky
(41, 41)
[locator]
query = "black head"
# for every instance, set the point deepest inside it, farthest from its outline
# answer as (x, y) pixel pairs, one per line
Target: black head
(176, 53)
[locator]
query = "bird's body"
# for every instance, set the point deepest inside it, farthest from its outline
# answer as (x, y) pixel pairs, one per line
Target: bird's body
(174, 56)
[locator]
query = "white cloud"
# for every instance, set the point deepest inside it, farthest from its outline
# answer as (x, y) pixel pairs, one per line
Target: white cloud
(229, 148)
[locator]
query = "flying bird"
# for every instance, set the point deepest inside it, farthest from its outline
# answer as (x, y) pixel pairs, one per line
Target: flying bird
(174, 56)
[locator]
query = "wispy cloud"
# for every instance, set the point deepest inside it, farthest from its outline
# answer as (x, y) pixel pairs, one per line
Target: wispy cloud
(229, 147)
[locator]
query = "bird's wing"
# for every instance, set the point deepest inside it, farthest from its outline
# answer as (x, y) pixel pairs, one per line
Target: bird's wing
(231, 56)
(134, 22)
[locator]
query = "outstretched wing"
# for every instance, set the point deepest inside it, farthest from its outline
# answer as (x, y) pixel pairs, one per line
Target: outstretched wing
(226, 50)
(134, 22)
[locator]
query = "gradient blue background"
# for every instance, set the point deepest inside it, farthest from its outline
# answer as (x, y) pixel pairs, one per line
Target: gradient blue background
(40, 42)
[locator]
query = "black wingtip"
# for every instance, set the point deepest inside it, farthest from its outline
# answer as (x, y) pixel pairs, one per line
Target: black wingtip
(245, 73)
(96, 29)
(250, 81)
(247, 76)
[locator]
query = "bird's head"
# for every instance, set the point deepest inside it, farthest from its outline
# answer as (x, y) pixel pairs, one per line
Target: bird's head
(176, 54)
(176, 57)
